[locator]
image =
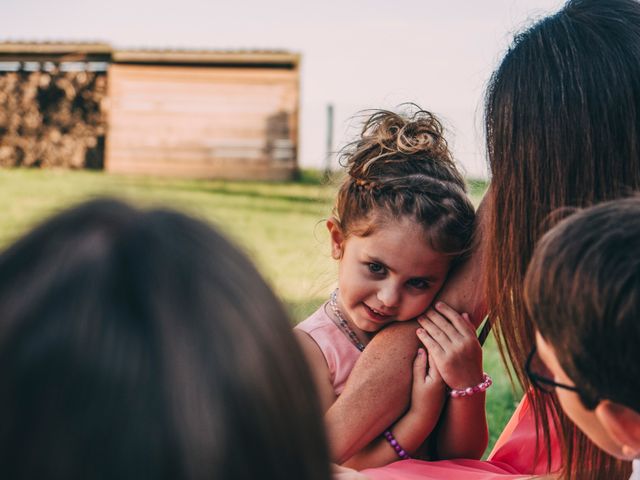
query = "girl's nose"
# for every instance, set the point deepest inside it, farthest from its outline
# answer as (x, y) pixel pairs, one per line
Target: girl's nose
(389, 296)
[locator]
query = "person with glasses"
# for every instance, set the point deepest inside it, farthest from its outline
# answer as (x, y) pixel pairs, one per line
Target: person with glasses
(582, 292)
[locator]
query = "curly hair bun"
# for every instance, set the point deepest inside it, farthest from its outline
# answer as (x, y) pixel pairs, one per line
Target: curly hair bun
(401, 166)
(393, 145)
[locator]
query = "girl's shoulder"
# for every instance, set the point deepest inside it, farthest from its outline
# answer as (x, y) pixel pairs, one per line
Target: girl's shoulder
(318, 320)
(339, 353)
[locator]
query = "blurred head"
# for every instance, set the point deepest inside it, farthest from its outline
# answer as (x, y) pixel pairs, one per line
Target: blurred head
(582, 290)
(562, 119)
(142, 344)
(400, 220)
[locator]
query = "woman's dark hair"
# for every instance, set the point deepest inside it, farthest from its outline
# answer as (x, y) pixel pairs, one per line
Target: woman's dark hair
(582, 291)
(143, 345)
(563, 129)
(401, 166)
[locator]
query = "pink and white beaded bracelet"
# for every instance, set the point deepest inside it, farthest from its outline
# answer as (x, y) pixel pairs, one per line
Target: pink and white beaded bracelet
(467, 392)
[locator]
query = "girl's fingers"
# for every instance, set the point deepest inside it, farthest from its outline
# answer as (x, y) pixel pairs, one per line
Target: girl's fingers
(420, 366)
(440, 328)
(460, 324)
(469, 323)
(433, 373)
(444, 323)
(423, 320)
(427, 340)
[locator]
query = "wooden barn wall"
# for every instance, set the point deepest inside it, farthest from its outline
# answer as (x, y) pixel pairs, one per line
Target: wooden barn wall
(225, 122)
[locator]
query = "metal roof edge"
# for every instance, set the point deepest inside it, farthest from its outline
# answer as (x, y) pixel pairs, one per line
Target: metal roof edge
(280, 58)
(240, 57)
(15, 47)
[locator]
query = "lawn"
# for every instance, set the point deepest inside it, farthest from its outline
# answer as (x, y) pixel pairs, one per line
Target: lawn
(280, 226)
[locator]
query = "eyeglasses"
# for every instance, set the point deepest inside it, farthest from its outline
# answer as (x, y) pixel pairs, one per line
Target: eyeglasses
(541, 379)
(537, 372)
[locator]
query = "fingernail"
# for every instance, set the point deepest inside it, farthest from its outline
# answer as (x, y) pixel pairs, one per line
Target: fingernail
(420, 352)
(439, 304)
(420, 331)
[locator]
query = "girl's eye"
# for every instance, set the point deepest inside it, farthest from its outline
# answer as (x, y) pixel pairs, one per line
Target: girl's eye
(376, 268)
(418, 283)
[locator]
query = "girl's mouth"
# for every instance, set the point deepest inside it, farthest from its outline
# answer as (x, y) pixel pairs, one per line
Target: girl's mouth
(376, 315)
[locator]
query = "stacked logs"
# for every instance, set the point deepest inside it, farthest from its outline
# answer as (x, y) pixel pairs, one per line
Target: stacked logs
(52, 119)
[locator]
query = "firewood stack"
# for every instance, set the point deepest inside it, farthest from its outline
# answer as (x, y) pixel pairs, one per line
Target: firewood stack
(52, 119)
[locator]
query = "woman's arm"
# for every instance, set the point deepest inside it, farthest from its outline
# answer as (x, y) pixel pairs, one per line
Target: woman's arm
(378, 390)
(376, 394)
(427, 399)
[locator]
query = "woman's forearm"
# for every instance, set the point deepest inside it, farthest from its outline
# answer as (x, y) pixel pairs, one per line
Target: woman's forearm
(377, 392)
(410, 432)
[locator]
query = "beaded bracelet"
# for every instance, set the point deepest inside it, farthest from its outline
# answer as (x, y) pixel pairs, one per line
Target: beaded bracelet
(467, 392)
(395, 445)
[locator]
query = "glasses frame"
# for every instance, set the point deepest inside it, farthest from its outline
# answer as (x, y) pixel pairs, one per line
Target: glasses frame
(539, 381)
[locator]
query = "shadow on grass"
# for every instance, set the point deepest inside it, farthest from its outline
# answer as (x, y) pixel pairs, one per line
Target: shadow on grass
(222, 190)
(260, 192)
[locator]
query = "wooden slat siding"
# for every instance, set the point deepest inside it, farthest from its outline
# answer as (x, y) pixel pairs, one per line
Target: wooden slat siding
(200, 121)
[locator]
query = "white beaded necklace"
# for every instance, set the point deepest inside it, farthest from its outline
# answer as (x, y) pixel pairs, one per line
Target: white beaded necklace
(333, 302)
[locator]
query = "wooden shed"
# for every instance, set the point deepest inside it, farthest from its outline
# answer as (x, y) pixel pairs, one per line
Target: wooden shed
(203, 114)
(190, 113)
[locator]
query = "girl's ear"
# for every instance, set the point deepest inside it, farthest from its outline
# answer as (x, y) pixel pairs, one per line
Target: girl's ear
(337, 238)
(623, 425)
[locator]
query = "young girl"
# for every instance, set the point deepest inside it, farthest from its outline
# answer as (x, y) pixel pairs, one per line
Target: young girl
(582, 291)
(401, 220)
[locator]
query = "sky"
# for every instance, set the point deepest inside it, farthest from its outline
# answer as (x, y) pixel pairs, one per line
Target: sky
(356, 54)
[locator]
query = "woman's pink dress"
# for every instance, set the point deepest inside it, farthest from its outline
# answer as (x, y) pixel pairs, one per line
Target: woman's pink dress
(513, 457)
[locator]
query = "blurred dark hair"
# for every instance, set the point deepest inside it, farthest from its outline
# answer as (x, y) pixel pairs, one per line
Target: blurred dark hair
(582, 291)
(401, 166)
(143, 345)
(563, 129)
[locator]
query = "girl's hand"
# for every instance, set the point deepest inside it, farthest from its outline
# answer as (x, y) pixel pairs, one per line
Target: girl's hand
(452, 343)
(428, 390)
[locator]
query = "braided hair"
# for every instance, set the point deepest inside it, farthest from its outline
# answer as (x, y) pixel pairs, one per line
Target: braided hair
(401, 167)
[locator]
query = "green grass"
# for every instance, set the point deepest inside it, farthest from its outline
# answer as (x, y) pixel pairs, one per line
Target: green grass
(280, 226)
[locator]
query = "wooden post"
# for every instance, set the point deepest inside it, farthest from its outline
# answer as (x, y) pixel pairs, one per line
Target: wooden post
(329, 155)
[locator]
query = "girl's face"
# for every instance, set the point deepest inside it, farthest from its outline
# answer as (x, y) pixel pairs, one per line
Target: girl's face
(390, 275)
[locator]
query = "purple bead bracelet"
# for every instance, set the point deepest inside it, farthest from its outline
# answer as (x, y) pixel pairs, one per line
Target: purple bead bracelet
(395, 445)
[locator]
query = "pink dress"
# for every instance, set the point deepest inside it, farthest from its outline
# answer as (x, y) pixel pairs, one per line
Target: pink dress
(341, 355)
(513, 457)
